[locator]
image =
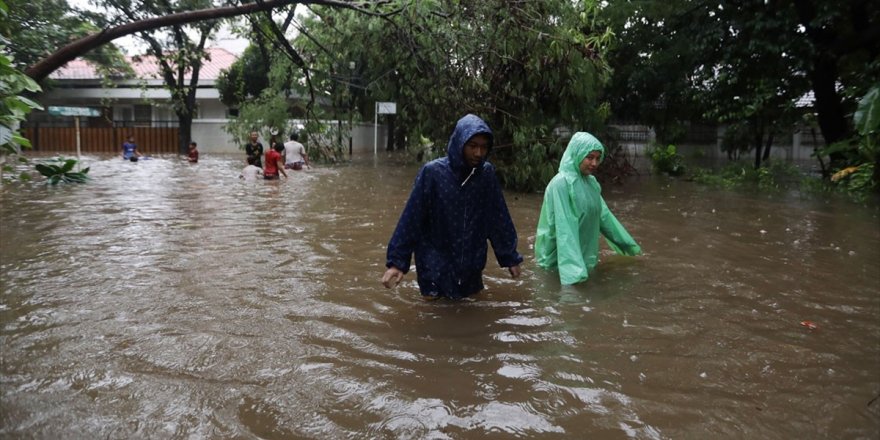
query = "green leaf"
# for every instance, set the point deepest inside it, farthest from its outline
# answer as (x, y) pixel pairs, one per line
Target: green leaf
(68, 165)
(867, 115)
(22, 141)
(44, 170)
(837, 147)
(6, 135)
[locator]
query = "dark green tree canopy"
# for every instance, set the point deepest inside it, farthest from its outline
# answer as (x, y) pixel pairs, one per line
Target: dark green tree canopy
(528, 68)
(742, 61)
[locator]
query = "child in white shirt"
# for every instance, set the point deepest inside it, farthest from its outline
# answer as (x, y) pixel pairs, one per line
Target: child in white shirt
(251, 171)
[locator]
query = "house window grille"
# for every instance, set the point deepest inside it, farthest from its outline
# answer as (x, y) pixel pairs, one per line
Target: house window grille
(143, 115)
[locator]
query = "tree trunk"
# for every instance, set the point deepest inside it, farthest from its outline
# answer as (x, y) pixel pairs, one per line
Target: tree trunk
(825, 171)
(185, 120)
(400, 136)
(829, 109)
(184, 132)
(389, 143)
(767, 147)
(823, 73)
(758, 155)
(759, 142)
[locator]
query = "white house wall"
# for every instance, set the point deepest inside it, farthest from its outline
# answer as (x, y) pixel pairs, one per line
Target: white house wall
(212, 109)
(212, 138)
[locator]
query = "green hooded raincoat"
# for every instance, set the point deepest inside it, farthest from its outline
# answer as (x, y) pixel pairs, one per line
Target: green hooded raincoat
(573, 215)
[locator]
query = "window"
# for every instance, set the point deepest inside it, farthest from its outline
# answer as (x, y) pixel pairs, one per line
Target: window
(126, 114)
(143, 115)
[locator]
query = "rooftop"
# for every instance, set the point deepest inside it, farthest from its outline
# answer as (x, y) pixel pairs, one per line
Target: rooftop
(147, 67)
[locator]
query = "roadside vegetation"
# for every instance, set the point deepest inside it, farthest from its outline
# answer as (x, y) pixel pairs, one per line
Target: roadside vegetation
(536, 71)
(853, 176)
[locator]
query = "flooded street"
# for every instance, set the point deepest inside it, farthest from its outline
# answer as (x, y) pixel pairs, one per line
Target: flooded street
(169, 300)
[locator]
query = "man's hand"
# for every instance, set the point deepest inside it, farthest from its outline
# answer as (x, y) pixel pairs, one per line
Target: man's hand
(514, 271)
(392, 277)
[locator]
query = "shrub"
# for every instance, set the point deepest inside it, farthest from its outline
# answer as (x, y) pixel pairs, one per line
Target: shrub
(667, 160)
(62, 173)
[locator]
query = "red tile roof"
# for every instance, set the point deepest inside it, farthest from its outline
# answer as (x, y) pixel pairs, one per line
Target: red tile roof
(147, 67)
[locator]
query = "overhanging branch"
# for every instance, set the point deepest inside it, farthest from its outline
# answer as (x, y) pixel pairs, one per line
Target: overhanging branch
(60, 57)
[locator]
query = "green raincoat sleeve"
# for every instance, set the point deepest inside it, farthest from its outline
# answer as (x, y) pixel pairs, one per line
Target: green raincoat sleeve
(616, 235)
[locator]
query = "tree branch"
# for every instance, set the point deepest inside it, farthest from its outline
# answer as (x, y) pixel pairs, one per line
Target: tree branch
(62, 56)
(281, 40)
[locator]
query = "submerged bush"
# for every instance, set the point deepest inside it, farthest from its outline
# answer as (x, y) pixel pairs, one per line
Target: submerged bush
(777, 175)
(667, 160)
(857, 182)
(62, 173)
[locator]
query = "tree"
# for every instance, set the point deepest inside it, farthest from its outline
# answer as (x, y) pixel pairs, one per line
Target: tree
(179, 57)
(757, 71)
(248, 76)
(747, 63)
(146, 16)
(41, 69)
(14, 107)
(653, 67)
(845, 47)
(529, 68)
(36, 29)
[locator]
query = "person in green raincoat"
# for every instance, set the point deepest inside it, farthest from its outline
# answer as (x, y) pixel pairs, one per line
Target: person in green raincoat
(574, 214)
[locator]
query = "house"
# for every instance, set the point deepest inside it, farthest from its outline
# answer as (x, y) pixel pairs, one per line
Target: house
(139, 105)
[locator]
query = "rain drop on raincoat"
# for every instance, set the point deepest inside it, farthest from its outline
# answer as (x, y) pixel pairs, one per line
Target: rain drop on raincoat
(574, 214)
(452, 211)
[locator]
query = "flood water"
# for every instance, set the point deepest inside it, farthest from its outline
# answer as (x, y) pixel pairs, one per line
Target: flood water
(169, 300)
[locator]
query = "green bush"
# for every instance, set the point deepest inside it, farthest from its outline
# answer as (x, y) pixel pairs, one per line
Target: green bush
(667, 160)
(856, 176)
(63, 172)
(777, 175)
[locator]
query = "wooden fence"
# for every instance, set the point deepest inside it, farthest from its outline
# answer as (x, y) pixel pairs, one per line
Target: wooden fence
(150, 140)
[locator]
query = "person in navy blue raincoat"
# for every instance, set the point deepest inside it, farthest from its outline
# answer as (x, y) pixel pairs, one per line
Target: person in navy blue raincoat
(456, 205)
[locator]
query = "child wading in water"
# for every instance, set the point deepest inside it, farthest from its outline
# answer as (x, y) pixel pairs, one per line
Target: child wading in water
(251, 171)
(193, 155)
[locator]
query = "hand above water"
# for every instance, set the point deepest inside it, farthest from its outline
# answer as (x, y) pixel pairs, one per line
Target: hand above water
(392, 275)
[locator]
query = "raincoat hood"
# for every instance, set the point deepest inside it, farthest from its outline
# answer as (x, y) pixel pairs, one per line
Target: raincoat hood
(580, 145)
(467, 127)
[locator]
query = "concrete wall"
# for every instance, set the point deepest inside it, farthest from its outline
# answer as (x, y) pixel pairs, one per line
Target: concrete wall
(212, 109)
(796, 146)
(635, 139)
(363, 138)
(212, 138)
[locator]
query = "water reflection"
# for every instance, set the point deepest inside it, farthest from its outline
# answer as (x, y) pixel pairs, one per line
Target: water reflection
(166, 300)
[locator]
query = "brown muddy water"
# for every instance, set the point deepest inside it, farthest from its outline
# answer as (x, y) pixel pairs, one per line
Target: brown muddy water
(169, 300)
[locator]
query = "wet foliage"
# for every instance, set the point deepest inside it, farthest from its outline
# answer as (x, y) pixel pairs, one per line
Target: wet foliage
(61, 170)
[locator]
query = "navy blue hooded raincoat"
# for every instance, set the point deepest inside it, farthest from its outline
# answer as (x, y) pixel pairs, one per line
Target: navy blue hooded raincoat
(452, 210)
